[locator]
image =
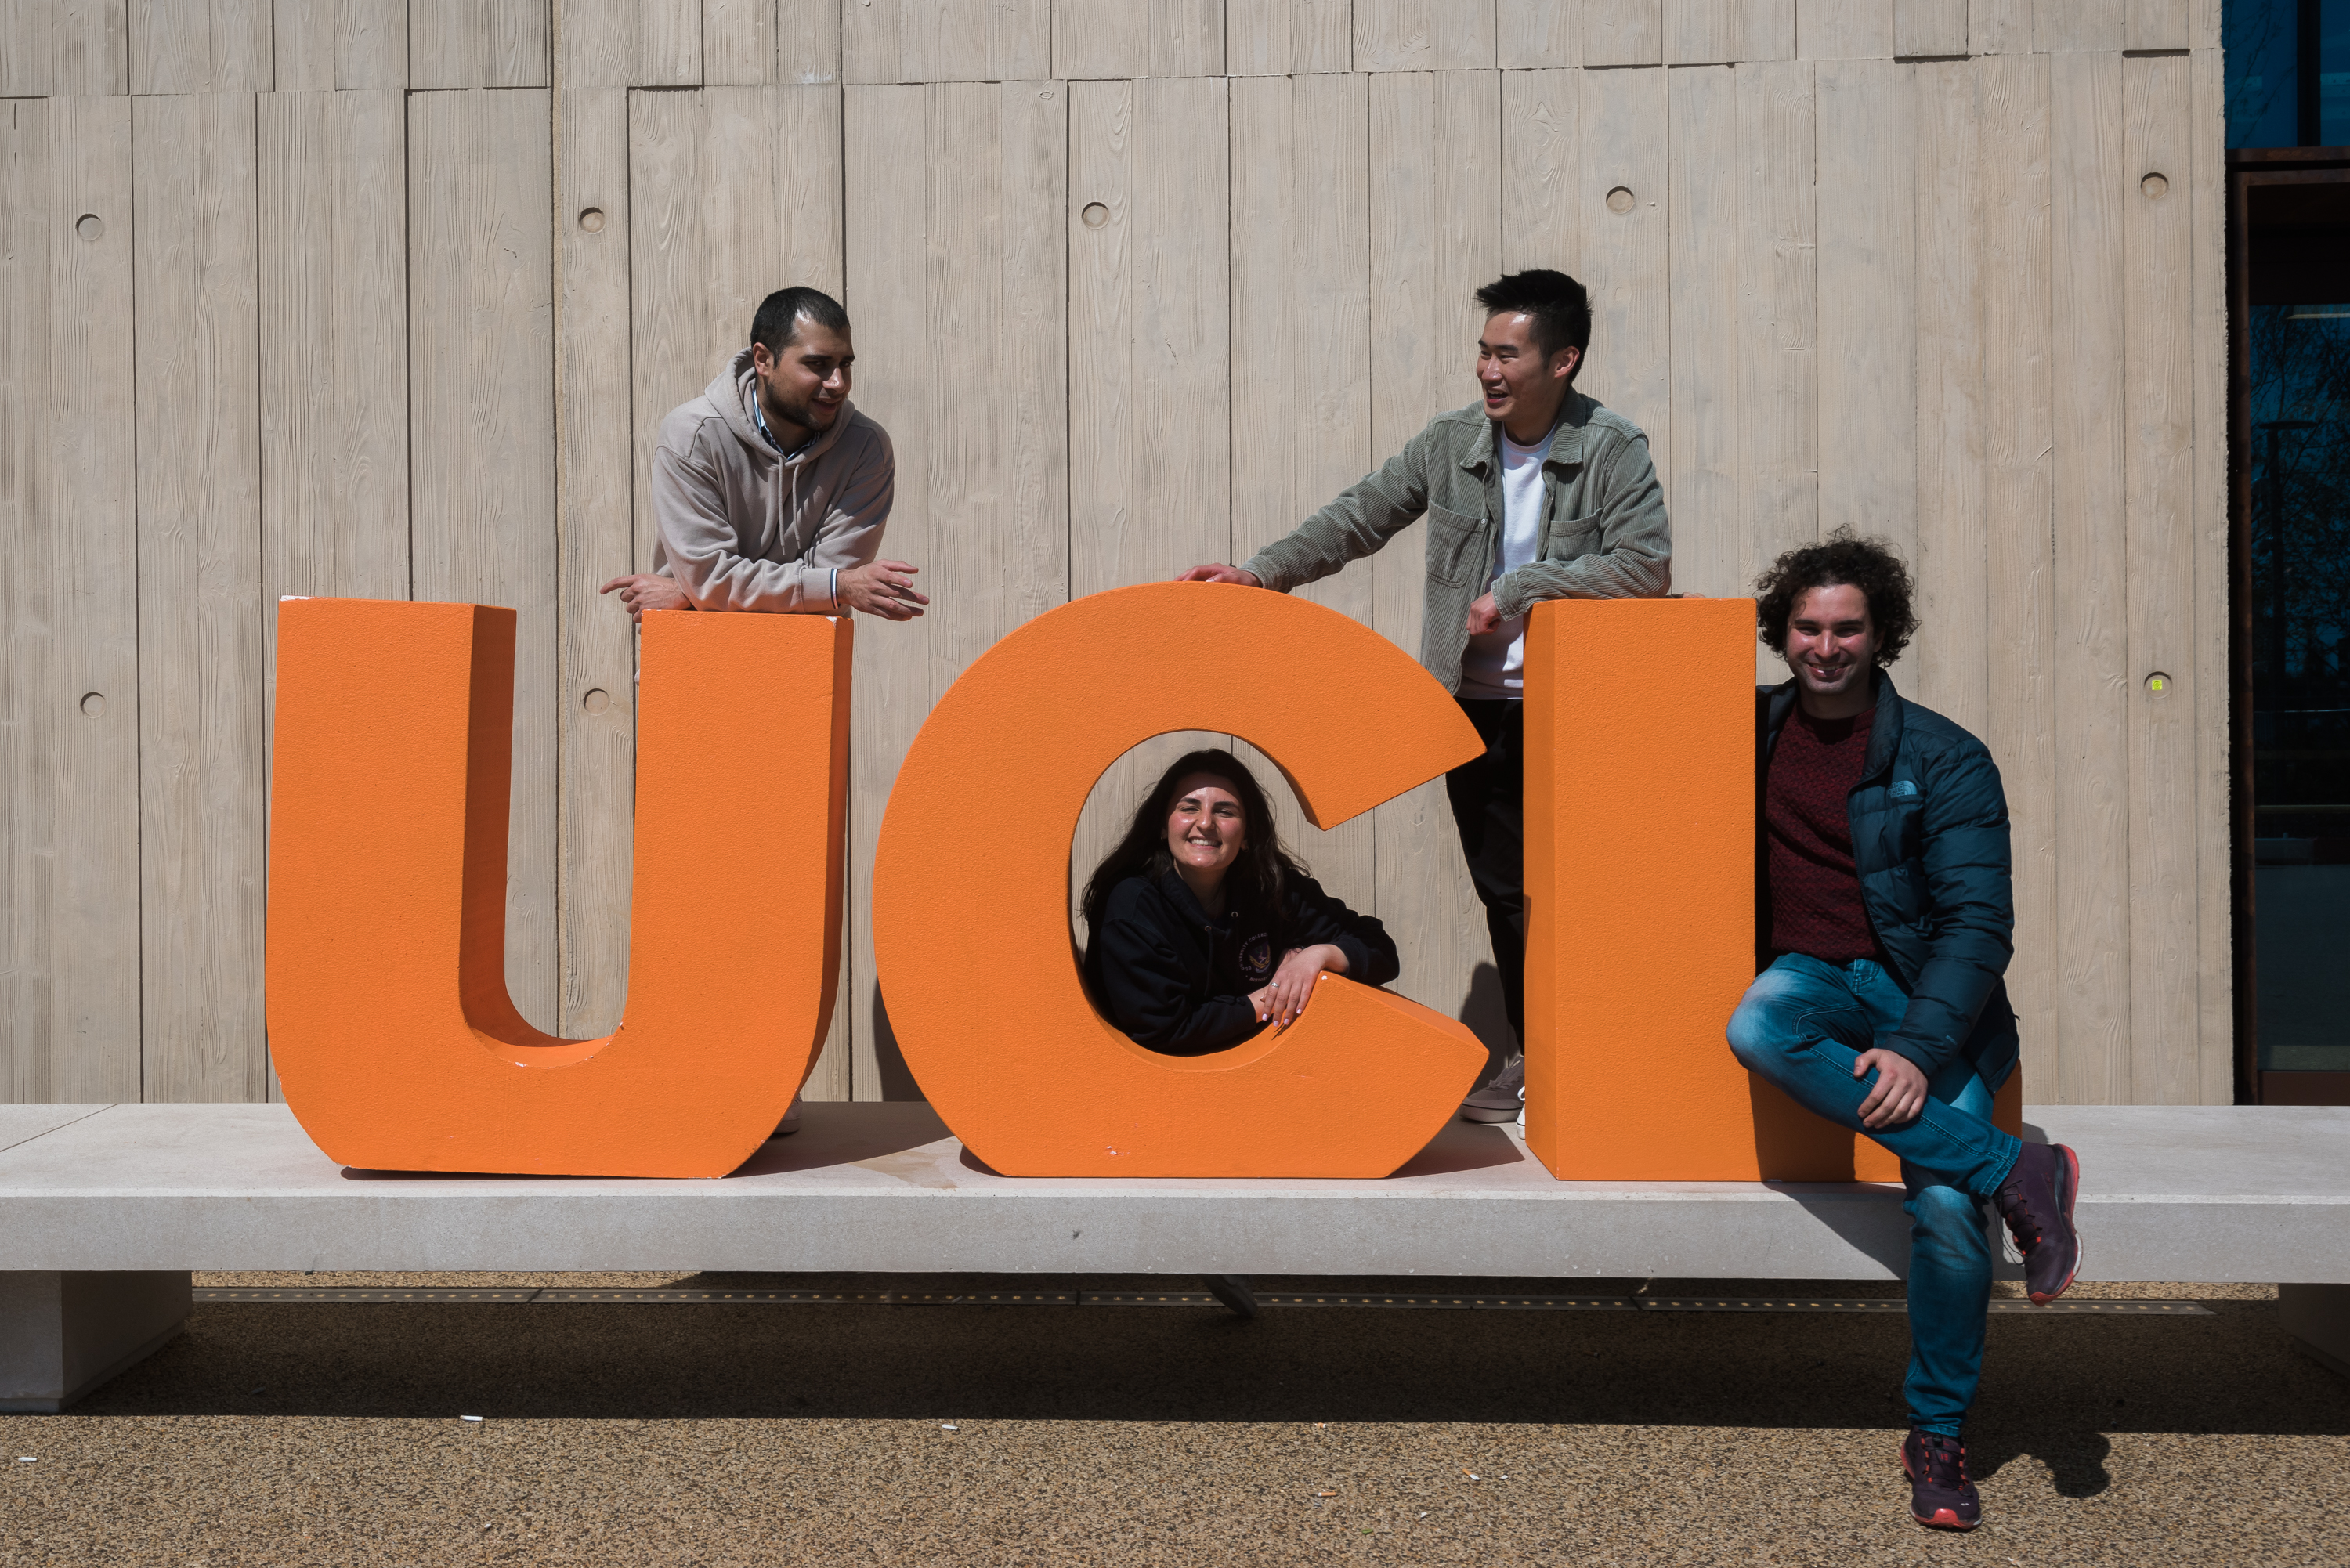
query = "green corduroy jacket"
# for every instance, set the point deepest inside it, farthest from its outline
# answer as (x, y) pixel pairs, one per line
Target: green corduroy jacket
(1604, 535)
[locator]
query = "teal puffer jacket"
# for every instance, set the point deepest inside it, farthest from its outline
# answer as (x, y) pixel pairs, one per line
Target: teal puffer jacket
(1931, 844)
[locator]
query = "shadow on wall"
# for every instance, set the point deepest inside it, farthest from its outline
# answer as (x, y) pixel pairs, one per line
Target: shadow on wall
(1487, 1019)
(897, 1078)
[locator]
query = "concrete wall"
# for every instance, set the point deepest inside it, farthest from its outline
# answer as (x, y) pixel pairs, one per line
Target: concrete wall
(366, 296)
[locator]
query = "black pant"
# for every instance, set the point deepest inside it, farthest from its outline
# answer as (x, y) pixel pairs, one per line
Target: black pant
(1489, 807)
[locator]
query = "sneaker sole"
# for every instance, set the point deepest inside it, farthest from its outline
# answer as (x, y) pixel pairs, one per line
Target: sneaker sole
(1479, 1114)
(1943, 1518)
(2068, 1181)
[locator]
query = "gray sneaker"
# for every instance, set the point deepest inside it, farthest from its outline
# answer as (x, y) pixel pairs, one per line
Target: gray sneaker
(1503, 1099)
(790, 1122)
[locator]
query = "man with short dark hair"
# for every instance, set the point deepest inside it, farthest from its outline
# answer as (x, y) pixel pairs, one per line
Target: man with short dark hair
(1534, 493)
(1884, 920)
(770, 490)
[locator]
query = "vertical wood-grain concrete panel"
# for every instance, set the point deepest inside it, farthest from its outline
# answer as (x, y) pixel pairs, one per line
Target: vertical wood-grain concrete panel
(70, 884)
(1626, 256)
(2094, 914)
(1728, 32)
(1778, 321)
(1301, 374)
(1948, 666)
(1282, 37)
(1867, 159)
(745, 42)
(1424, 35)
(1929, 27)
(737, 194)
(965, 284)
(1844, 29)
(2157, 24)
(201, 720)
(1537, 35)
(323, 44)
(2019, 522)
(200, 45)
(1702, 224)
(886, 236)
(478, 43)
(1542, 170)
(1140, 38)
(333, 298)
(636, 43)
(482, 374)
(595, 693)
(2215, 1001)
(2158, 589)
(945, 40)
(1150, 347)
(1623, 32)
(69, 48)
(1437, 206)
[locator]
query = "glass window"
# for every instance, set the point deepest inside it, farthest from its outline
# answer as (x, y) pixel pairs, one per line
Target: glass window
(2263, 100)
(2288, 72)
(2299, 364)
(2334, 74)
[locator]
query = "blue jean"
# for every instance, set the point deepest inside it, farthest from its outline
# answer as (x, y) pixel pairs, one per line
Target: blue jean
(1803, 1024)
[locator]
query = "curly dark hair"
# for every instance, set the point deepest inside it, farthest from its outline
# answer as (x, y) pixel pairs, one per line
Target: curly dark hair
(1259, 880)
(1843, 557)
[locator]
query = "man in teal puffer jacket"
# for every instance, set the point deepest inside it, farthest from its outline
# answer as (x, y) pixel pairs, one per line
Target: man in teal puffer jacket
(1884, 920)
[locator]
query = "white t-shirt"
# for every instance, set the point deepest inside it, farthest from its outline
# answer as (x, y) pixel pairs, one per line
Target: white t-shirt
(1491, 664)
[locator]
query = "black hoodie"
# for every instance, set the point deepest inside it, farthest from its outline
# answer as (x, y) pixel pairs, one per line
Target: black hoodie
(1178, 982)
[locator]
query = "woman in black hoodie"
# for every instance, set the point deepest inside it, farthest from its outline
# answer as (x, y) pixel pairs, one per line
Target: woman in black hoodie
(1202, 928)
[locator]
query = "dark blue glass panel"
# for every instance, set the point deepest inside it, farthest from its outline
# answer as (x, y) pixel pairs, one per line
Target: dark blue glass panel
(2334, 75)
(2263, 103)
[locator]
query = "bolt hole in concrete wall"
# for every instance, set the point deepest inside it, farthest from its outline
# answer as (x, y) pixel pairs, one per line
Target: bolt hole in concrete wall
(1339, 859)
(592, 220)
(1619, 200)
(94, 704)
(90, 226)
(2156, 186)
(597, 701)
(1094, 215)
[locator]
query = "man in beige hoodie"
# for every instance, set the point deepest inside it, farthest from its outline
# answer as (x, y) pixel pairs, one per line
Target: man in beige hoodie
(770, 490)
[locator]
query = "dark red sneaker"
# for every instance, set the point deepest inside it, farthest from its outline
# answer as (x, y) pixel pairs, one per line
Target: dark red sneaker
(2036, 1201)
(1940, 1495)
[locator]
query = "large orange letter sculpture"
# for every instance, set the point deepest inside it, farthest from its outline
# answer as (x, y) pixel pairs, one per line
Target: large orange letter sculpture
(388, 1016)
(971, 901)
(1641, 905)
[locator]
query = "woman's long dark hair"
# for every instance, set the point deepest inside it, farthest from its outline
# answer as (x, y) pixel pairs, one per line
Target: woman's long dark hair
(1259, 879)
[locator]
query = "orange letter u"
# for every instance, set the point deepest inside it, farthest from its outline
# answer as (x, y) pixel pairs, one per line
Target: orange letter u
(389, 1021)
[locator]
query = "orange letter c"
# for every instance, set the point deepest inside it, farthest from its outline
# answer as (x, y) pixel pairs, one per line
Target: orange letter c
(971, 925)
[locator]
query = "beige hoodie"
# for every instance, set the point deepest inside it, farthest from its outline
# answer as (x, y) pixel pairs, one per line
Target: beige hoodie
(741, 526)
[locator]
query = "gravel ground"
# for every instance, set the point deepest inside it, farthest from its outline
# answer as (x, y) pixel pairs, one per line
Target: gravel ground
(722, 1434)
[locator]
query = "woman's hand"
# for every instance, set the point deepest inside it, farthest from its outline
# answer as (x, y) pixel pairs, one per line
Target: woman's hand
(1280, 1003)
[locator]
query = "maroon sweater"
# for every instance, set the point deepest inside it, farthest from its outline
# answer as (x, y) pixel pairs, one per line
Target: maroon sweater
(1815, 906)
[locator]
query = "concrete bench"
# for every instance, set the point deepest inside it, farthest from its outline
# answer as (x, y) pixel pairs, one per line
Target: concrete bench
(104, 1209)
